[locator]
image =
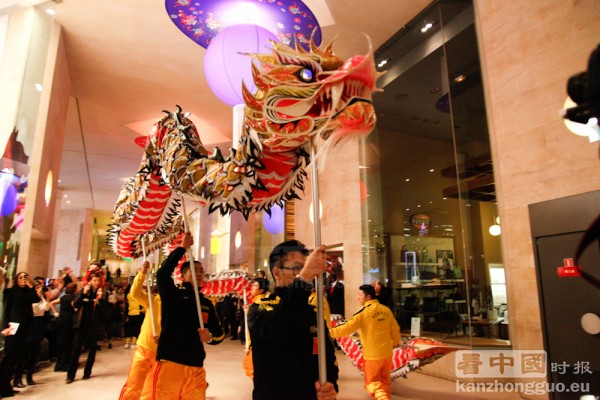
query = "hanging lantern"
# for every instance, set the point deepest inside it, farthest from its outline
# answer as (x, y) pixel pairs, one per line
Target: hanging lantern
(225, 68)
(274, 223)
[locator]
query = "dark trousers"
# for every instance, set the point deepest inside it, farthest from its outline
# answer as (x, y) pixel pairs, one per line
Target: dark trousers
(87, 339)
(62, 357)
(14, 347)
(29, 360)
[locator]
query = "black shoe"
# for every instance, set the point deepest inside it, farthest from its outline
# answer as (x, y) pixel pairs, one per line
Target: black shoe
(30, 381)
(69, 380)
(86, 377)
(18, 384)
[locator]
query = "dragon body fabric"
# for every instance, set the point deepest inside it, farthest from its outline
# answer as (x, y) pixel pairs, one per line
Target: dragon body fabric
(302, 97)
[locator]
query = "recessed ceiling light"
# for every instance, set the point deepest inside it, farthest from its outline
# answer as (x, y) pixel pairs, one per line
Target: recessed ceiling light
(431, 170)
(65, 195)
(460, 78)
(51, 11)
(382, 62)
(407, 180)
(427, 26)
(435, 90)
(38, 87)
(68, 201)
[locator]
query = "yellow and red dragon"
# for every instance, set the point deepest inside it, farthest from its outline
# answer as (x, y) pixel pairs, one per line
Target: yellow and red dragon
(302, 95)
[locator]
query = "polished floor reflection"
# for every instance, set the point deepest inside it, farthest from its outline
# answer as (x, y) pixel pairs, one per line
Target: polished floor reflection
(225, 376)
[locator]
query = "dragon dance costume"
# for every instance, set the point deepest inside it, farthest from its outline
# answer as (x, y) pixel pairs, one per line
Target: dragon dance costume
(283, 330)
(145, 353)
(179, 369)
(379, 333)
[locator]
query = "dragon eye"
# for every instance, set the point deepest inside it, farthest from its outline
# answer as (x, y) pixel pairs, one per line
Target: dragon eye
(306, 75)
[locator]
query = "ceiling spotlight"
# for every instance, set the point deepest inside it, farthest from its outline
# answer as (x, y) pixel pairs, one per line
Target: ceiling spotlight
(427, 27)
(382, 62)
(460, 78)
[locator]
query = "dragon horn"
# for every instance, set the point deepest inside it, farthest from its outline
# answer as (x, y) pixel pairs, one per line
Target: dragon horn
(258, 81)
(299, 47)
(249, 99)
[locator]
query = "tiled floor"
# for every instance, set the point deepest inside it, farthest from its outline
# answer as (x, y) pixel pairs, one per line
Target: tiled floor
(224, 374)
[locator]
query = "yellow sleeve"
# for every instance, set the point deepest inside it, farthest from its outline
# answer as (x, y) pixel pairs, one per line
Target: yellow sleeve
(137, 290)
(349, 327)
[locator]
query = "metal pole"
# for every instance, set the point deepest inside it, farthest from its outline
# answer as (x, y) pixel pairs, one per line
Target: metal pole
(148, 285)
(319, 279)
(192, 266)
(246, 330)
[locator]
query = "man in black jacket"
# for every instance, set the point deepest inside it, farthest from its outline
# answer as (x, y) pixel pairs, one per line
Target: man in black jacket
(179, 371)
(90, 324)
(283, 330)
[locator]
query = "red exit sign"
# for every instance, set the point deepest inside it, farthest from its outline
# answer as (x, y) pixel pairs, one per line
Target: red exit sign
(568, 269)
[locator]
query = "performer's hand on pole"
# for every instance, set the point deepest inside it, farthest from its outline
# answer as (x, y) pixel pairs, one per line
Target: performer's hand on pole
(145, 267)
(204, 335)
(187, 240)
(325, 391)
(315, 264)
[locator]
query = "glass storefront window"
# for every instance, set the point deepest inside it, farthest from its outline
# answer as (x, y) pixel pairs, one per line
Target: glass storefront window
(428, 175)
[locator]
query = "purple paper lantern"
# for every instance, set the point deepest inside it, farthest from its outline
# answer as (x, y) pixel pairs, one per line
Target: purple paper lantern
(9, 203)
(275, 223)
(225, 68)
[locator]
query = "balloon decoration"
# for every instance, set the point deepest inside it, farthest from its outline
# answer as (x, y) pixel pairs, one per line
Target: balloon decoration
(202, 20)
(274, 223)
(226, 63)
(8, 194)
(9, 203)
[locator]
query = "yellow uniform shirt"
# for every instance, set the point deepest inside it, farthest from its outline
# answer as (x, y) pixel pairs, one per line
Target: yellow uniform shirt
(312, 300)
(141, 298)
(379, 332)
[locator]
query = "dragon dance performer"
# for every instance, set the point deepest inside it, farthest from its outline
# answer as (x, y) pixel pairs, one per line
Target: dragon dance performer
(259, 289)
(145, 353)
(179, 369)
(283, 330)
(379, 333)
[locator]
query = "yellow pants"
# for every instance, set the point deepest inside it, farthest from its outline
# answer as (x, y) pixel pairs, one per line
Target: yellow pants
(378, 380)
(139, 373)
(173, 381)
(248, 365)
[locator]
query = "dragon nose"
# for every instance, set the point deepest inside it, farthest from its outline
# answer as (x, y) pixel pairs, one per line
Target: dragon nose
(361, 68)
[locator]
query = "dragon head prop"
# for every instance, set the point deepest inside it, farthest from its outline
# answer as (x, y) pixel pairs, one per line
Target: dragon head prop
(302, 95)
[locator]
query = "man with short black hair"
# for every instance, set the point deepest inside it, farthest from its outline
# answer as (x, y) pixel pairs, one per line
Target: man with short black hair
(179, 369)
(379, 333)
(283, 330)
(90, 323)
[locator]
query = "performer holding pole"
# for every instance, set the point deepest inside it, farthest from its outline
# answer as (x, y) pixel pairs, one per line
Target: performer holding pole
(149, 285)
(319, 278)
(191, 258)
(246, 331)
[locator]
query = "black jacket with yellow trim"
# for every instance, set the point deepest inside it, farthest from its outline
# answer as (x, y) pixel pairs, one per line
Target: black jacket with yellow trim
(283, 331)
(179, 340)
